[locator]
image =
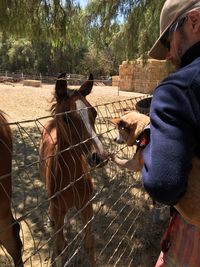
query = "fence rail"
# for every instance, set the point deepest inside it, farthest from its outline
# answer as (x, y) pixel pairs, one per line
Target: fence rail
(73, 79)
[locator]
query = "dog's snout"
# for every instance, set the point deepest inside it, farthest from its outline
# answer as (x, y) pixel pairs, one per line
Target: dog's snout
(119, 140)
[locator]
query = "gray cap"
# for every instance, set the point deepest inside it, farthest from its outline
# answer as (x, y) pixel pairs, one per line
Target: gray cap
(171, 11)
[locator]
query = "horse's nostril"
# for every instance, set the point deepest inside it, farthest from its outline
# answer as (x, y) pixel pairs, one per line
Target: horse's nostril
(96, 160)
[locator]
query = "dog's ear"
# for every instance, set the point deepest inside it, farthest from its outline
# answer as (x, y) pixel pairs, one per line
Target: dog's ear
(116, 121)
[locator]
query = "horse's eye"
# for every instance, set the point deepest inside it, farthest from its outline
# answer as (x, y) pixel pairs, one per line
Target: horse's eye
(94, 112)
(66, 118)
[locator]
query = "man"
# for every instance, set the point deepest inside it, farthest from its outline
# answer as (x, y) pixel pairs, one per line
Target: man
(171, 171)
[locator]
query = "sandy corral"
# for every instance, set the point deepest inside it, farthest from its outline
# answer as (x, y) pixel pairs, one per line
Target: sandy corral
(26, 102)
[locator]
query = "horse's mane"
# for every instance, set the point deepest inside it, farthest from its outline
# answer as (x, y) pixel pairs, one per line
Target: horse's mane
(2, 113)
(3, 116)
(5, 130)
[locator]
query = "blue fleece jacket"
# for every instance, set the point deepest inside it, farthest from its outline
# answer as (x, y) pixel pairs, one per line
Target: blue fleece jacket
(175, 131)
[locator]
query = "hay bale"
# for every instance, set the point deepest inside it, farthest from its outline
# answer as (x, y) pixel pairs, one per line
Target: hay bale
(115, 80)
(34, 83)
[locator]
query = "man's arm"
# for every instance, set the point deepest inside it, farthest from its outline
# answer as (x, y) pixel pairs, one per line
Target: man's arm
(168, 157)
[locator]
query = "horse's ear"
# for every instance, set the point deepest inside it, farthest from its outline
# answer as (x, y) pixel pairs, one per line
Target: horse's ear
(86, 87)
(61, 86)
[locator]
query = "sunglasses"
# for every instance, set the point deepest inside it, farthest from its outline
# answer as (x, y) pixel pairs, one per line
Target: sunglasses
(165, 40)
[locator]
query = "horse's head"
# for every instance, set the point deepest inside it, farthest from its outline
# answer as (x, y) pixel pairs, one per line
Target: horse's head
(75, 118)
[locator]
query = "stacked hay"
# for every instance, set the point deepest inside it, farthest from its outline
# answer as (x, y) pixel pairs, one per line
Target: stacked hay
(34, 83)
(115, 80)
(140, 78)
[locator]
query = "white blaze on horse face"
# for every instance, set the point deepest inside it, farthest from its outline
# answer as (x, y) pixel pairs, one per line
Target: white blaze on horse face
(83, 112)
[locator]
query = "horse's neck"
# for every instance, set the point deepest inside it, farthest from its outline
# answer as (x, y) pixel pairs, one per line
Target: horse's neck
(70, 160)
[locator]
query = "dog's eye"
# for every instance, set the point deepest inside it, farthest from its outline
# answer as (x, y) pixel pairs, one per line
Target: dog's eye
(124, 129)
(121, 128)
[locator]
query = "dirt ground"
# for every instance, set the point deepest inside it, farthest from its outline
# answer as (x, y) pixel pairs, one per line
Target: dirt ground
(122, 224)
(26, 102)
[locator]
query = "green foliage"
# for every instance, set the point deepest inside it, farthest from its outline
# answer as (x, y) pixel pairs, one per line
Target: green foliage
(20, 54)
(140, 24)
(55, 35)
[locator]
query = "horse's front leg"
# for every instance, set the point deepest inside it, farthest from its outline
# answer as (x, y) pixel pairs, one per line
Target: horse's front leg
(9, 237)
(58, 218)
(86, 216)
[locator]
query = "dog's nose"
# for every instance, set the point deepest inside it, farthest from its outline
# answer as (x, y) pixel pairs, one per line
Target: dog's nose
(119, 140)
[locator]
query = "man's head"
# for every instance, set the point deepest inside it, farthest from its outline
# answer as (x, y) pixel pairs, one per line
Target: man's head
(176, 16)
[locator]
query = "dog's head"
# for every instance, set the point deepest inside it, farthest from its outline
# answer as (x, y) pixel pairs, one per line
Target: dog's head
(130, 127)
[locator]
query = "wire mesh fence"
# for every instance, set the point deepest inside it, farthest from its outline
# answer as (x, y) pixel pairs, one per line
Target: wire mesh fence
(122, 220)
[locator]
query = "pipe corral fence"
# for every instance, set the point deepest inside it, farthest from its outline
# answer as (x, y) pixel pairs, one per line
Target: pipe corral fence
(122, 222)
(72, 79)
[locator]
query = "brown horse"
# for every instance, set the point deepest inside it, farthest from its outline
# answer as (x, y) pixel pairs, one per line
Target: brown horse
(9, 228)
(69, 142)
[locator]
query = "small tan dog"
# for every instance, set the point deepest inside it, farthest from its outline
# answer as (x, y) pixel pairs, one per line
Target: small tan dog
(130, 126)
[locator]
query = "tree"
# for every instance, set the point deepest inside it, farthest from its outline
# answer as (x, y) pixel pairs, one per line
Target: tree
(140, 24)
(20, 54)
(62, 36)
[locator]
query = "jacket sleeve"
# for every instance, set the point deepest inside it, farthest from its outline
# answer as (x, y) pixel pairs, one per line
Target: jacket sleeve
(168, 156)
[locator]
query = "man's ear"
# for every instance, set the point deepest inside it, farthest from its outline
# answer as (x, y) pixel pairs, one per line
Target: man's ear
(194, 20)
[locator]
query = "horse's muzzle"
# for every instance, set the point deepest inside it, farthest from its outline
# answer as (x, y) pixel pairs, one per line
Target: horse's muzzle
(96, 160)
